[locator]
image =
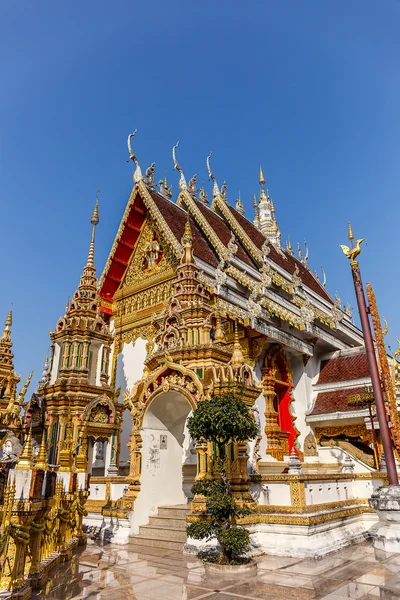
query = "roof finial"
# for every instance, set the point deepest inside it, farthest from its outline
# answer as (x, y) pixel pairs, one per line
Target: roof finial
(256, 220)
(43, 378)
(211, 176)
(300, 252)
(187, 243)
(94, 221)
(239, 205)
(324, 277)
(203, 196)
(261, 179)
(25, 459)
(306, 254)
(289, 247)
(6, 337)
(137, 176)
(350, 233)
(237, 355)
(182, 181)
(24, 389)
(41, 460)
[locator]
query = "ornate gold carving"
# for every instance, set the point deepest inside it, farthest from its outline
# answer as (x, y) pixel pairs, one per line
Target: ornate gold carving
(297, 494)
(310, 445)
(149, 258)
(351, 430)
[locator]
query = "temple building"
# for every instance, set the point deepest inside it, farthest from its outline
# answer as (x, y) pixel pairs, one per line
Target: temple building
(196, 299)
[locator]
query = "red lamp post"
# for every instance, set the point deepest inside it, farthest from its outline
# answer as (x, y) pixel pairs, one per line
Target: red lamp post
(352, 254)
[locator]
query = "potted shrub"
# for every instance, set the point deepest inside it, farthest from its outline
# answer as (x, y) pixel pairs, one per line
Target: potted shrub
(220, 420)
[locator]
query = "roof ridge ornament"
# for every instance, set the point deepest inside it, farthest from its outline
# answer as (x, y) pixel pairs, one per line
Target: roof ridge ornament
(164, 190)
(137, 176)
(149, 178)
(239, 205)
(203, 196)
(191, 186)
(182, 181)
(211, 177)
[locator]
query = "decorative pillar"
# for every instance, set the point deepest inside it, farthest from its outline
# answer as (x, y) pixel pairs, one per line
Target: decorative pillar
(272, 429)
(371, 358)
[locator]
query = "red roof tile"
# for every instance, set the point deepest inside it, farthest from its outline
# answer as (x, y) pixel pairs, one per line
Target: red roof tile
(344, 368)
(336, 401)
(224, 232)
(176, 218)
(287, 262)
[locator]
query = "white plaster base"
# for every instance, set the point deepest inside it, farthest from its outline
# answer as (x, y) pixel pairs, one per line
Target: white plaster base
(310, 541)
(113, 529)
(386, 501)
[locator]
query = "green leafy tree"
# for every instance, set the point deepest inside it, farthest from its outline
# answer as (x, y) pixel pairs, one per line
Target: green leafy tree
(220, 420)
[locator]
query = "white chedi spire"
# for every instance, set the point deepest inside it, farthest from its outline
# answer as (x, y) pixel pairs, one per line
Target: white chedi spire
(265, 215)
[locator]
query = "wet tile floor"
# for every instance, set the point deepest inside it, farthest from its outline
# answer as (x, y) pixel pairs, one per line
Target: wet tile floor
(109, 572)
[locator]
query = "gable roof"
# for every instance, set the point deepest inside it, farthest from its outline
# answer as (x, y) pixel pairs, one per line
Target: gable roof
(171, 218)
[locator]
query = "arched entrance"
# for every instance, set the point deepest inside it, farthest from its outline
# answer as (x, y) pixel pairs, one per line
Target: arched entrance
(280, 430)
(168, 458)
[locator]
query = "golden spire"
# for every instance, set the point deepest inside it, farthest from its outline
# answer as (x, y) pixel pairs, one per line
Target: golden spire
(41, 461)
(350, 232)
(261, 177)
(289, 247)
(6, 357)
(24, 389)
(187, 243)
(25, 459)
(6, 337)
(165, 180)
(94, 221)
(237, 355)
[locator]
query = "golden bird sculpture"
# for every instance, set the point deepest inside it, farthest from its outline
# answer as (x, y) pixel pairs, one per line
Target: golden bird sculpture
(352, 253)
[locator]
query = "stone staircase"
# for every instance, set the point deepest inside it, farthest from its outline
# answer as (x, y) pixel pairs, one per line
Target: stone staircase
(165, 530)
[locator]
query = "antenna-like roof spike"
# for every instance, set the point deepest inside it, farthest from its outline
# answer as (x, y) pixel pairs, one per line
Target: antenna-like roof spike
(94, 221)
(182, 181)
(212, 177)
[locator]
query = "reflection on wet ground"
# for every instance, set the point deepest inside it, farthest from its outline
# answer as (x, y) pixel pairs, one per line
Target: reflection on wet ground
(109, 572)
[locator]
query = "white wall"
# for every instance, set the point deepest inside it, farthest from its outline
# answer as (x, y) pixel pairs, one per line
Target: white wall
(56, 363)
(130, 365)
(161, 478)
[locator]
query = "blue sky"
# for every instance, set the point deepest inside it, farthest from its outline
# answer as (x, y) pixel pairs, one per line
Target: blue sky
(310, 90)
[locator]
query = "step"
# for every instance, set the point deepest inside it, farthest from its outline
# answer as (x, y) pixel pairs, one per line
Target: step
(174, 511)
(168, 522)
(136, 544)
(155, 533)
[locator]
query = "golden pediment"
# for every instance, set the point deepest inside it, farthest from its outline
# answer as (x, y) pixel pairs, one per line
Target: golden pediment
(151, 258)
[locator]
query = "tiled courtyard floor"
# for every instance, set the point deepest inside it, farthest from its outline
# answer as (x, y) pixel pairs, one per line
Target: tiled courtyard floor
(116, 573)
